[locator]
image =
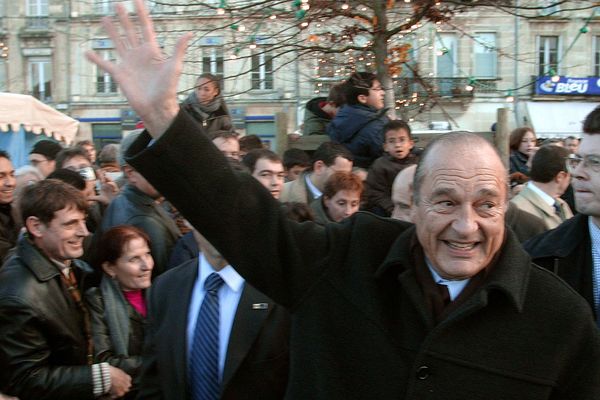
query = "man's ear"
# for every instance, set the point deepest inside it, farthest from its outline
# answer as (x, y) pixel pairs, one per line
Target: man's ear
(34, 226)
(318, 166)
(562, 175)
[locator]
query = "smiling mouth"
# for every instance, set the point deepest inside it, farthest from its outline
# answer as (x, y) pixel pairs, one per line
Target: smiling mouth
(461, 246)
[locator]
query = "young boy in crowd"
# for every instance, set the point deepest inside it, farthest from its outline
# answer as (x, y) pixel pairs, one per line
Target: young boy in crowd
(397, 145)
(295, 161)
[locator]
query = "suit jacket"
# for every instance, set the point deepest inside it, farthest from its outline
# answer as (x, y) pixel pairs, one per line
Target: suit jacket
(361, 328)
(529, 201)
(257, 361)
(297, 191)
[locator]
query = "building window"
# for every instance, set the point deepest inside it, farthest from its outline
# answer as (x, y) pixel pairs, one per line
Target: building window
(103, 7)
(262, 69)
(597, 55)
(40, 79)
(549, 7)
(485, 56)
(104, 82)
(548, 49)
(445, 52)
(37, 8)
(212, 61)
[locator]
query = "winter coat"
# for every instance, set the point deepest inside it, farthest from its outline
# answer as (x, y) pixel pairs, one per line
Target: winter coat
(360, 129)
(315, 119)
(567, 251)
(360, 326)
(378, 186)
(118, 330)
(132, 207)
(43, 349)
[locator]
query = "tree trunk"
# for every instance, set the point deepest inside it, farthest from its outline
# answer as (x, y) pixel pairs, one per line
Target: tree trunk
(380, 49)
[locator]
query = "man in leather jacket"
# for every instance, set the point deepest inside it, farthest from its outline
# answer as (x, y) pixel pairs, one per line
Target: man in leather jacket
(45, 339)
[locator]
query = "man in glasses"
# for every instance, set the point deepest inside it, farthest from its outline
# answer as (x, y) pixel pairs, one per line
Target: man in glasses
(572, 250)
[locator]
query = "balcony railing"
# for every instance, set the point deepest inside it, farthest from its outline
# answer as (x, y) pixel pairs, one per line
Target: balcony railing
(37, 23)
(424, 87)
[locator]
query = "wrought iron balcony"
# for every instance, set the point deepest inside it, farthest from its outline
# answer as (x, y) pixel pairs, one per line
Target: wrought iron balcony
(426, 87)
(37, 23)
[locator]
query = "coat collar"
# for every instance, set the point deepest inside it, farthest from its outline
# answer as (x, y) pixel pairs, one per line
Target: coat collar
(562, 241)
(510, 275)
(40, 266)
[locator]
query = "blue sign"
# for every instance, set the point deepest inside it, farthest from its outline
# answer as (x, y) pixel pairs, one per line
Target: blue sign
(567, 86)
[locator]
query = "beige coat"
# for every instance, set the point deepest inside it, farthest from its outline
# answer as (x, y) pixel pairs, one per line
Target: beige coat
(532, 203)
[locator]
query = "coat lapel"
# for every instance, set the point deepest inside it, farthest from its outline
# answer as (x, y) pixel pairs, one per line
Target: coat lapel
(253, 309)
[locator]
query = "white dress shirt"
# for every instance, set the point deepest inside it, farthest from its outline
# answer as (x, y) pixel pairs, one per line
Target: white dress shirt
(454, 287)
(545, 196)
(316, 193)
(229, 298)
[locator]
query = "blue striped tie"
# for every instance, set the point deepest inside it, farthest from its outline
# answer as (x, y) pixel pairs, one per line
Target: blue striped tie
(204, 361)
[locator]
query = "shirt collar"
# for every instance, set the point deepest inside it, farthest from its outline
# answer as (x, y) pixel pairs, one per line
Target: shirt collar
(594, 232)
(454, 287)
(229, 275)
(545, 196)
(315, 191)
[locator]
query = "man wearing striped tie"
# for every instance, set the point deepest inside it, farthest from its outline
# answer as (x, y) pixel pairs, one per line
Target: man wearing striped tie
(213, 336)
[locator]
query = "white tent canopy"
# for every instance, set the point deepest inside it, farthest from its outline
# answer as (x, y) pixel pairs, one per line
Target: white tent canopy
(18, 110)
(558, 118)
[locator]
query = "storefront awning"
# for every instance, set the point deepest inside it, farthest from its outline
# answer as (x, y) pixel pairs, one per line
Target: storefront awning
(18, 110)
(558, 119)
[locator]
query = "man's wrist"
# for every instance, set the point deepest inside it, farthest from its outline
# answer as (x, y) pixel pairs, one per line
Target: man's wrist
(101, 379)
(158, 122)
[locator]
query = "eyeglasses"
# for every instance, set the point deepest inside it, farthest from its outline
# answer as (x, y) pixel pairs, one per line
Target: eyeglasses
(591, 162)
(35, 163)
(87, 173)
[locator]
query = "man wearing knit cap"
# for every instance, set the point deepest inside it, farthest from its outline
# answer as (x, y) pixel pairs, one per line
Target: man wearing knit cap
(43, 156)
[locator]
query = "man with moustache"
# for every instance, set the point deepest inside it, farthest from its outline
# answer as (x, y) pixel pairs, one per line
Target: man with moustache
(45, 339)
(450, 308)
(572, 250)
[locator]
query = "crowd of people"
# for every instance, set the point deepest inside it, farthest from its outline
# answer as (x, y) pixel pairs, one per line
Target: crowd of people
(191, 263)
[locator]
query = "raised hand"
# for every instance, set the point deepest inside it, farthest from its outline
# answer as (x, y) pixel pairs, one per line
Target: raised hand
(147, 78)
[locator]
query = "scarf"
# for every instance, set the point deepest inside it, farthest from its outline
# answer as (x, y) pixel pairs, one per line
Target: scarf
(116, 315)
(204, 110)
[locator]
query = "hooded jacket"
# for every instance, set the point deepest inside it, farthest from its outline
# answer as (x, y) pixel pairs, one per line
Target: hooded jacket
(360, 129)
(315, 119)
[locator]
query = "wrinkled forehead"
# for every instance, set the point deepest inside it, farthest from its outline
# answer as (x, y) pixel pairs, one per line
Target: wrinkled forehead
(468, 161)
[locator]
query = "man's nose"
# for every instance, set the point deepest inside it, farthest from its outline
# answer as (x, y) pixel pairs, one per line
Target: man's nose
(82, 229)
(466, 221)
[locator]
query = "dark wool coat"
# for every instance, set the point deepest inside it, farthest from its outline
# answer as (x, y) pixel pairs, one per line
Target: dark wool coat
(567, 251)
(360, 329)
(378, 186)
(43, 350)
(132, 207)
(315, 119)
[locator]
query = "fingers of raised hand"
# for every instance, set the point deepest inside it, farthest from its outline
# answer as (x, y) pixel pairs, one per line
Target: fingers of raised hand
(130, 34)
(146, 25)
